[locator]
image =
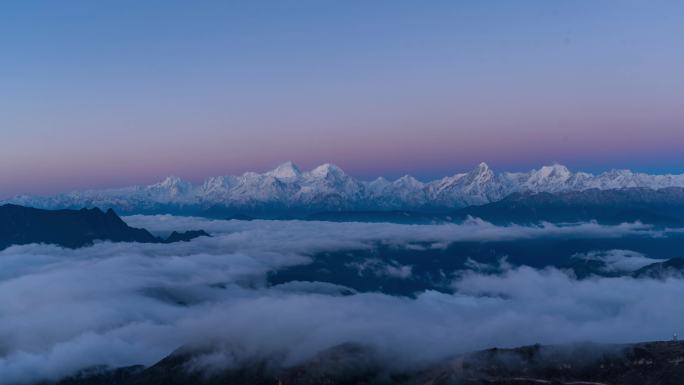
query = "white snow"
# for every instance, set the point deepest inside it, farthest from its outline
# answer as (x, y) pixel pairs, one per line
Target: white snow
(328, 186)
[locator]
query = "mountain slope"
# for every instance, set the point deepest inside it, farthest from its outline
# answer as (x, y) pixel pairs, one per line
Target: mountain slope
(672, 268)
(72, 228)
(653, 363)
(663, 207)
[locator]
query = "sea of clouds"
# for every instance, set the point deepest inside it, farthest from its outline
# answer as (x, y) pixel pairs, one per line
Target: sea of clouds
(118, 304)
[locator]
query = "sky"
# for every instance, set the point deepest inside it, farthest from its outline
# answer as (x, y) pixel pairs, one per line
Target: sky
(111, 93)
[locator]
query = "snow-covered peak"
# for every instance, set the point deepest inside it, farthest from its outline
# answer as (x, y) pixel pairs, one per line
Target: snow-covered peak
(327, 187)
(172, 187)
(379, 183)
(327, 170)
(481, 174)
(480, 185)
(483, 168)
(618, 173)
(219, 182)
(556, 171)
(378, 186)
(218, 186)
(548, 178)
(173, 184)
(408, 181)
(286, 170)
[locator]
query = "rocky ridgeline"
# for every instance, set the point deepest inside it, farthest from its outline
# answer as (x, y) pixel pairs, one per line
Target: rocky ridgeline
(73, 228)
(328, 187)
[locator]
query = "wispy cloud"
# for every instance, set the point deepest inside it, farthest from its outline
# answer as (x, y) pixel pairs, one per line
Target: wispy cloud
(618, 261)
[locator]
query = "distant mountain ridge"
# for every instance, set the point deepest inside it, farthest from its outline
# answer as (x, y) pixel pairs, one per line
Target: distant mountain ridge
(663, 207)
(327, 187)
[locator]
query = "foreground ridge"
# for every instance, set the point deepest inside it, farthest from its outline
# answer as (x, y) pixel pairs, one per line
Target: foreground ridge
(579, 364)
(21, 225)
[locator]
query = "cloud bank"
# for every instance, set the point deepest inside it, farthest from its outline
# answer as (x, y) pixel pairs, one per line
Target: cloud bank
(62, 310)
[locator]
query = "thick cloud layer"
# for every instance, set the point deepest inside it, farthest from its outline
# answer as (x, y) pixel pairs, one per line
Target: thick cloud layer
(120, 304)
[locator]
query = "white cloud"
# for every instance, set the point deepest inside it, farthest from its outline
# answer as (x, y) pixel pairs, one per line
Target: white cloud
(378, 267)
(618, 261)
(122, 304)
(293, 235)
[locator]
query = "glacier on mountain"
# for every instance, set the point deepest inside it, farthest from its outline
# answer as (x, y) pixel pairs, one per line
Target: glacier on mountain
(328, 187)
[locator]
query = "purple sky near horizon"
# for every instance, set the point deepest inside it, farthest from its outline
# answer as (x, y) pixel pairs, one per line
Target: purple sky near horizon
(112, 93)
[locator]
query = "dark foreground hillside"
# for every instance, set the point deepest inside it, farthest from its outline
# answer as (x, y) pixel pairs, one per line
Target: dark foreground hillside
(654, 363)
(21, 225)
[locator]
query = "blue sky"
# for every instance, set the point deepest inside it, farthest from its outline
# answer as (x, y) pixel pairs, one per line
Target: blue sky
(115, 92)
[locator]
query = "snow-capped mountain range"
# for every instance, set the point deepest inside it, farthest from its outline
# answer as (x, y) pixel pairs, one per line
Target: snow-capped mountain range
(327, 187)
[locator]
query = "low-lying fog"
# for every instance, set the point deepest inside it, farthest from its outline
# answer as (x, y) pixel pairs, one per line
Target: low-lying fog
(120, 304)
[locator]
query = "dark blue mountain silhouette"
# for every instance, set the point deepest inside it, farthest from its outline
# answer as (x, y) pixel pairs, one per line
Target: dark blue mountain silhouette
(21, 225)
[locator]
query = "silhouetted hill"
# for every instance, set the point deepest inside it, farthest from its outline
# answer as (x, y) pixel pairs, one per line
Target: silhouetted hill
(653, 363)
(185, 236)
(671, 268)
(21, 225)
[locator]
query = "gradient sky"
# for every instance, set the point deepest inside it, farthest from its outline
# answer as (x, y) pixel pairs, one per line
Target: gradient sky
(107, 93)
